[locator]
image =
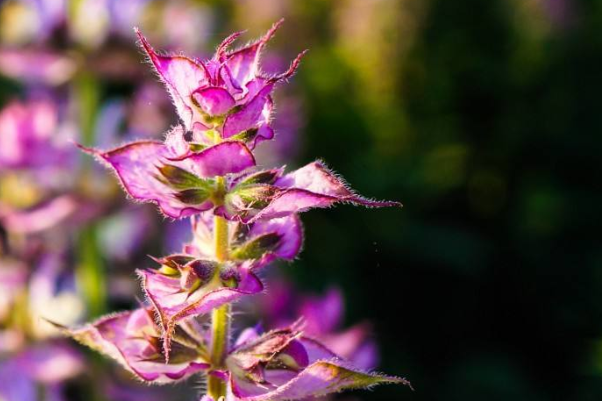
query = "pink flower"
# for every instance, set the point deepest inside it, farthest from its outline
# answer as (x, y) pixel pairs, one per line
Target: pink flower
(169, 174)
(323, 317)
(134, 340)
(284, 364)
(226, 97)
(194, 283)
(30, 137)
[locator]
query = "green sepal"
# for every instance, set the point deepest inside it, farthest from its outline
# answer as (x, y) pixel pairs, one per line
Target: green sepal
(179, 178)
(194, 196)
(245, 136)
(196, 147)
(168, 271)
(254, 197)
(262, 177)
(257, 247)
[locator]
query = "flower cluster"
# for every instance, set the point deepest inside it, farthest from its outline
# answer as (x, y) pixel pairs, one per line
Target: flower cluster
(243, 218)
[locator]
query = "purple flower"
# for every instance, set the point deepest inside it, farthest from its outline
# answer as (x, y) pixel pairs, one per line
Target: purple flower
(35, 153)
(134, 340)
(43, 216)
(44, 365)
(185, 287)
(226, 97)
(323, 317)
(30, 136)
(194, 283)
(285, 365)
(37, 66)
(179, 180)
(50, 362)
(242, 220)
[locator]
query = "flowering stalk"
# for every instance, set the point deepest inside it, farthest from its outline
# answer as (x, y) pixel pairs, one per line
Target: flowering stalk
(243, 219)
(220, 327)
(220, 317)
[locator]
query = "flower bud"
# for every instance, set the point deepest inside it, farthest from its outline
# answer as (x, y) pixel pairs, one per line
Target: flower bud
(196, 274)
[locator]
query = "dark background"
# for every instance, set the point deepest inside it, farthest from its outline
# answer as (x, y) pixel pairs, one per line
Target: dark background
(486, 285)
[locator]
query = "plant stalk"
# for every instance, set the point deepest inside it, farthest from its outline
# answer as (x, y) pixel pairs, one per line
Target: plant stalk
(90, 271)
(220, 317)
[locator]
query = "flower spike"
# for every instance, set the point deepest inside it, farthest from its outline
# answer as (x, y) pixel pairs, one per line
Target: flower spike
(242, 220)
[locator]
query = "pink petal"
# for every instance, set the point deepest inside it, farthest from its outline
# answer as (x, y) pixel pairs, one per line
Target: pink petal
(264, 133)
(252, 115)
(51, 362)
(248, 334)
(365, 356)
(36, 66)
(40, 218)
(213, 100)
(289, 229)
(122, 338)
(354, 344)
(293, 201)
(319, 379)
(136, 166)
(176, 143)
(181, 75)
(323, 314)
(227, 157)
(243, 64)
(317, 351)
(316, 178)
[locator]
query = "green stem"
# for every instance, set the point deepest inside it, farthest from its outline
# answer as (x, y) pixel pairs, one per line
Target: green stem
(220, 326)
(90, 270)
(220, 317)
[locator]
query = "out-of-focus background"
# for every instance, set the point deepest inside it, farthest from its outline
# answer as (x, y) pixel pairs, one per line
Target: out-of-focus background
(481, 117)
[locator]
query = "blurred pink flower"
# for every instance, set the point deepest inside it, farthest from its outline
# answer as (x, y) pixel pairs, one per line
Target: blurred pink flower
(323, 317)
